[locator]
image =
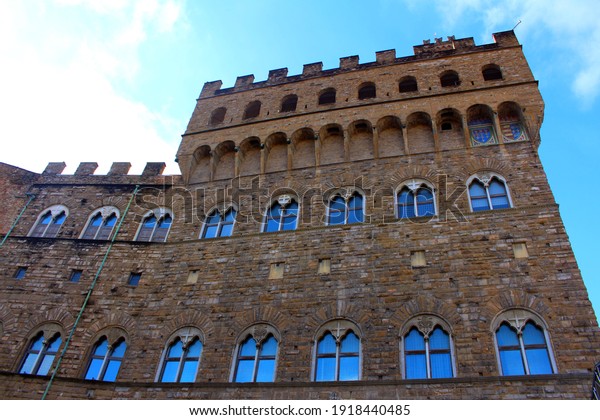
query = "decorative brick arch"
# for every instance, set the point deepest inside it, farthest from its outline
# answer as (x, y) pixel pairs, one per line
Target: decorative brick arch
(7, 319)
(188, 319)
(120, 321)
(54, 316)
(342, 309)
(426, 304)
(514, 299)
(484, 165)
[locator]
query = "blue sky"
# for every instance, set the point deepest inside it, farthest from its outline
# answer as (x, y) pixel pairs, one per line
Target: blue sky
(89, 80)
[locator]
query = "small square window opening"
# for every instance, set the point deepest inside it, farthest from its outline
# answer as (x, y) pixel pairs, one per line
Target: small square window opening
(134, 279)
(75, 276)
(20, 273)
(417, 259)
(520, 250)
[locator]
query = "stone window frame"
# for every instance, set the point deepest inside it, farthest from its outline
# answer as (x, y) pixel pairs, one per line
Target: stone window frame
(159, 213)
(259, 332)
(55, 211)
(517, 318)
(414, 184)
(450, 78)
(217, 116)
(252, 110)
(367, 88)
(186, 335)
(338, 328)
(287, 102)
(48, 332)
(425, 323)
(223, 209)
(346, 193)
(114, 336)
(283, 200)
(105, 212)
(485, 177)
(326, 95)
(405, 84)
(490, 72)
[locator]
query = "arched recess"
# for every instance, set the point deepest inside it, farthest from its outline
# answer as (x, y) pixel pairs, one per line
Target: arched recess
(332, 144)
(480, 120)
(217, 116)
(276, 148)
(420, 133)
(250, 156)
(303, 148)
(201, 165)
(390, 138)
(450, 129)
(360, 140)
(512, 123)
(224, 160)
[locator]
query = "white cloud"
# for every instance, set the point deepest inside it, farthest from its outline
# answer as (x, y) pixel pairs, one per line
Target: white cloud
(59, 99)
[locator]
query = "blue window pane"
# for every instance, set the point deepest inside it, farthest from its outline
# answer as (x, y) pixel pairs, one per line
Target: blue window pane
(512, 363)
(165, 222)
(292, 208)
(272, 225)
(134, 279)
(424, 195)
(194, 349)
(150, 221)
(506, 336)
(480, 204)
(337, 203)
(112, 370)
(269, 347)
(96, 220)
(441, 365)
(336, 217)
(275, 211)
(349, 368)
(54, 344)
(214, 218)
(37, 344)
(538, 361)
(425, 209)
(289, 223)
(414, 340)
(119, 349)
(244, 371)
(439, 340)
(356, 202)
(230, 216)
(170, 372)
(496, 188)
(210, 231)
(60, 219)
(533, 334)
(226, 230)
(176, 349)
(476, 189)
(325, 369)
(20, 274)
(28, 364)
(266, 371)
(188, 374)
(326, 345)
(416, 366)
(500, 202)
(94, 369)
(101, 348)
(350, 343)
(248, 348)
(111, 220)
(75, 276)
(355, 216)
(46, 364)
(46, 219)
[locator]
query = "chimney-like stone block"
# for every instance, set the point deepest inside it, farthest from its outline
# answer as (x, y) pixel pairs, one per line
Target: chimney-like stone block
(312, 69)
(278, 75)
(385, 57)
(244, 81)
(348, 63)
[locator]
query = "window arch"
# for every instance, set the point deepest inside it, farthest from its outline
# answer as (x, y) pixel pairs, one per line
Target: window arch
(181, 358)
(367, 91)
(346, 208)
(522, 344)
(415, 198)
(488, 192)
(101, 223)
(105, 360)
(511, 119)
(217, 116)
(408, 84)
(480, 121)
(41, 351)
(49, 222)
(491, 72)
(256, 355)
(337, 352)
(282, 215)
(155, 226)
(252, 110)
(327, 96)
(289, 103)
(449, 79)
(427, 348)
(219, 224)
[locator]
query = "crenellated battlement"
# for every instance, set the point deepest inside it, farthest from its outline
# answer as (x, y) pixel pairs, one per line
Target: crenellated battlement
(117, 169)
(437, 48)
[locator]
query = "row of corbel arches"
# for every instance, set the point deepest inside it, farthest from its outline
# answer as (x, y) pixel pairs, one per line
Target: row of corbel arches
(390, 136)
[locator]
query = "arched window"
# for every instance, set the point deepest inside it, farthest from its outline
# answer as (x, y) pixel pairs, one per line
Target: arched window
(40, 354)
(256, 357)
(289, 103)
(101, 223)
(488, 192)
(491, 72)
(337, 355)
(219, 224)
(217, 116)
(511, 122)
(327, 97)
(408, 84)
(155, 226)
(449, 79)
(427, 350)
(522, 344)
(282, 215)
(106, 360)
(367, 91)
(346, 209)
(49, 222)
(480, 121)
(252, 110)
(181, 358)
(415, 199)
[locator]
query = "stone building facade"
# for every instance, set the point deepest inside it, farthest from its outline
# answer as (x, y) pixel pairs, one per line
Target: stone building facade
(377, 230)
